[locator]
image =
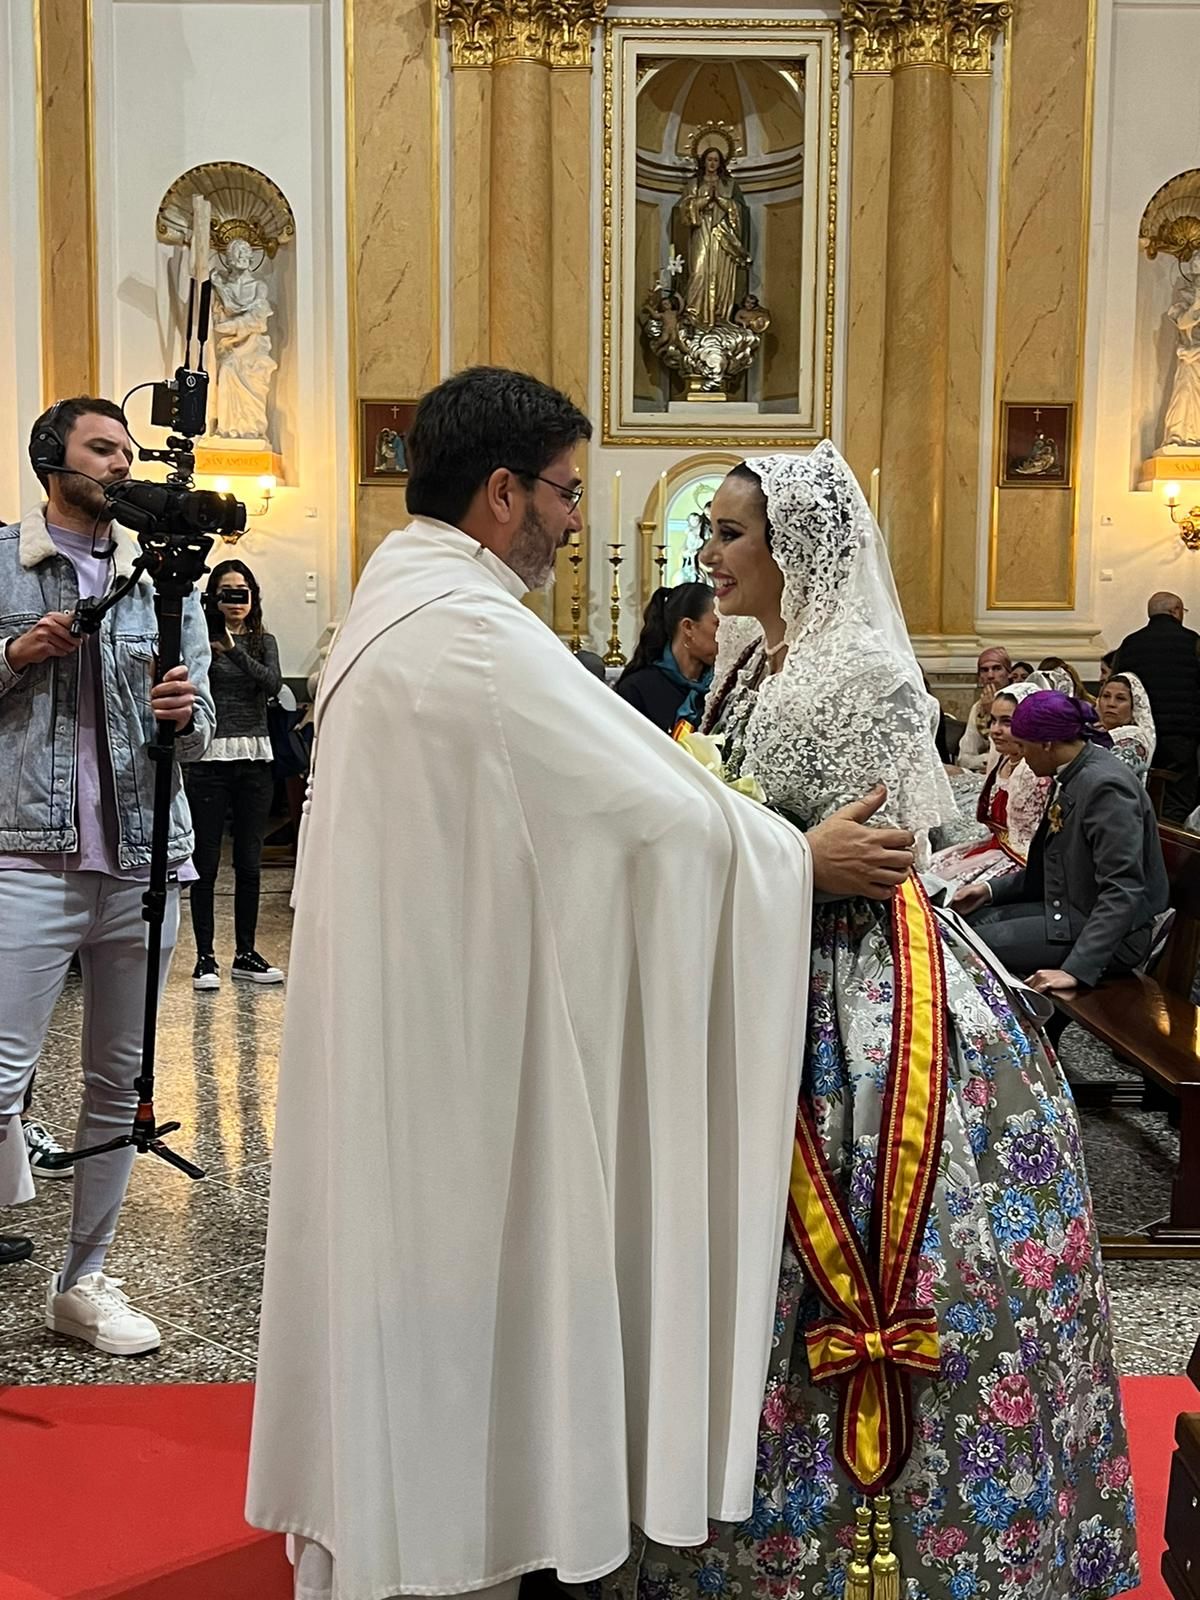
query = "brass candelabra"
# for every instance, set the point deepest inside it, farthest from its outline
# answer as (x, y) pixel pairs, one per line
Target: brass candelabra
(575, 557)
(660, 561)
(614, 656)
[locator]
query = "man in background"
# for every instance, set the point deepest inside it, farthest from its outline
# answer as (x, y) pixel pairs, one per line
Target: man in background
(1166, 657)
(77, 714)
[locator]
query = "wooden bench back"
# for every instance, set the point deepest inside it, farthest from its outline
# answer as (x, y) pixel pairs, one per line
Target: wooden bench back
(1176, 971)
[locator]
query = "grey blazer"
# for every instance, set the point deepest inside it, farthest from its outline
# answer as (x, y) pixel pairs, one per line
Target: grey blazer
(1100, 875)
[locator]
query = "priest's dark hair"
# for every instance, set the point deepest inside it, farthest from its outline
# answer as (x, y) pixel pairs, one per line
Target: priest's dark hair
(665, 610)
(477, 422)
(747, 474)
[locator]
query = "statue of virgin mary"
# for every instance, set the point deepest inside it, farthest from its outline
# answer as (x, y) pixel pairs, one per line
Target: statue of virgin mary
(713, 216)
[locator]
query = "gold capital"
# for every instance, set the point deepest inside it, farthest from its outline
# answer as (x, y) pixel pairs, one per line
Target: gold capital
(557, 33)
(958, 34)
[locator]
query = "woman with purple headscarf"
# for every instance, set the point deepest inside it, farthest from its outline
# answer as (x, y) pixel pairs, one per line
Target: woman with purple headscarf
(1087, 902)
(994, 671)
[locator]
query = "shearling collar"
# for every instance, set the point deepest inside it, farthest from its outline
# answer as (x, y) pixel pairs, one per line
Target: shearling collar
(35, 544)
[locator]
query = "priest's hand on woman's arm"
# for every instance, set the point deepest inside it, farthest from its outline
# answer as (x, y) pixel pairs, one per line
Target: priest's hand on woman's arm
(850, 858)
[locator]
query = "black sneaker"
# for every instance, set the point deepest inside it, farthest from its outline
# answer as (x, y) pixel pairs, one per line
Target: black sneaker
(14, 1248)
(251, 966)
(206, 974)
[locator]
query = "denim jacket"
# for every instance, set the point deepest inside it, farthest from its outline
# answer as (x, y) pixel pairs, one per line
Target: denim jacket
(38, 707)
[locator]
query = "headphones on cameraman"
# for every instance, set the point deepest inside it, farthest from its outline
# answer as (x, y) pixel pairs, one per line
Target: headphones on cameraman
(48, 447)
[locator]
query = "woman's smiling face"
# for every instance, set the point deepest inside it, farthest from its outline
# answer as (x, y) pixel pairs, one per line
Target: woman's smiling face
(737, 556)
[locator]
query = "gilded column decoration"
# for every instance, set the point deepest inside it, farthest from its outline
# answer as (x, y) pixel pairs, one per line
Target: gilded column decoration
(886, 34)
(975, 32)
(556, 33)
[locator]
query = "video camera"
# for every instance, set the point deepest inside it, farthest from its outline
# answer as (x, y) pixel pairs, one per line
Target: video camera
(175, 522)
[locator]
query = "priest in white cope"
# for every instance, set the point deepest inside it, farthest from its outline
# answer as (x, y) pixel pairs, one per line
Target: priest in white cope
(539, 1074)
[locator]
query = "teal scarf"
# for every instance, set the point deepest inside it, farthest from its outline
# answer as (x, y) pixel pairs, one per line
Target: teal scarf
(694, 689)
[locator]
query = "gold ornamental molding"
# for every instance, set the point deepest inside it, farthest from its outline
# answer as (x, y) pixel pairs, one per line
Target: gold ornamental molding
(485, 33)
(956, 34)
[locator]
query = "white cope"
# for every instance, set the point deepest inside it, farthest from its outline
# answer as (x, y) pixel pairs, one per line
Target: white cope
(537, 1095)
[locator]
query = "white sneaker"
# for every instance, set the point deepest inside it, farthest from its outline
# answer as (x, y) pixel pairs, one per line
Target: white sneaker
(40, 1143)
(97, 1312)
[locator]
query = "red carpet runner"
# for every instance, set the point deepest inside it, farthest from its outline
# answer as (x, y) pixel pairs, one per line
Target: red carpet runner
(135, 1492)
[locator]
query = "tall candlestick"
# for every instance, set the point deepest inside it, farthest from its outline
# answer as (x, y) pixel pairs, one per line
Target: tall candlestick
(614, 656)
(662, 507)
(575, 557)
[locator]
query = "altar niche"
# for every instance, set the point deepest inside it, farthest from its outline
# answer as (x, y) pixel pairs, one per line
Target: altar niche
(720, 232)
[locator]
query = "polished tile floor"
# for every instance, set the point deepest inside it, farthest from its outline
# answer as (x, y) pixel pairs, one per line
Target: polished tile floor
(191, 1253)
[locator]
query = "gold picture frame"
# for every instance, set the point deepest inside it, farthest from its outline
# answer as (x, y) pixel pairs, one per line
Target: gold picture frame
(1037, 442)
(382, 425)
(630, 43)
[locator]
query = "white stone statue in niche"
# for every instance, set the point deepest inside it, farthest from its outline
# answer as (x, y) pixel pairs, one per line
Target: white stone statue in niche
(1183, 412)
(245, 364)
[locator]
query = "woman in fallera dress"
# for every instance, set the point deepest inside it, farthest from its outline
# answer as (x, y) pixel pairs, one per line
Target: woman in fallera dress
(942, 1418)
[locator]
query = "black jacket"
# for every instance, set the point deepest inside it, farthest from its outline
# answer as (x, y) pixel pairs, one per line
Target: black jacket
(653, 694)
(1166, 657)
(1099, 874)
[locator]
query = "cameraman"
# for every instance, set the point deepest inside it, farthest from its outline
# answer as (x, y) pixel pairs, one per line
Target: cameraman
(76, 813)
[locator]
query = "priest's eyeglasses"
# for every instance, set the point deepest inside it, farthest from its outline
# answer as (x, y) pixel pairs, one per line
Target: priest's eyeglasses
(571, 496)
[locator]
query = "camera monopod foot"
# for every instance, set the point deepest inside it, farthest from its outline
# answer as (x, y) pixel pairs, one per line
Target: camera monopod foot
(145, 1138)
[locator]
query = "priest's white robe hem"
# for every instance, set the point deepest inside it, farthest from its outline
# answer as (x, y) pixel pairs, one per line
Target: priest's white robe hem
(316, 1574)
(538, 1084)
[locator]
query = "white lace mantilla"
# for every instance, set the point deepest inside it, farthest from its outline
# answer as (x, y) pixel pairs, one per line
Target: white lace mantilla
(849, 708)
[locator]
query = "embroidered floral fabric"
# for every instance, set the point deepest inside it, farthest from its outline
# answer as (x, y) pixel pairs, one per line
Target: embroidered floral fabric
(1019, 1481)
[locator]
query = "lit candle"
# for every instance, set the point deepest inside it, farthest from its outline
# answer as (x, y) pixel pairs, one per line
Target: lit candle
(223, 485)
(662, 507)
(1171, 493)
(616, 507)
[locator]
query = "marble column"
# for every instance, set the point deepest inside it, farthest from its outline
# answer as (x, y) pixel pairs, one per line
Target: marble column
(393, 199)
(521, 176)
(917, 301)
(917, 230)
(66, 174)
(522, 223)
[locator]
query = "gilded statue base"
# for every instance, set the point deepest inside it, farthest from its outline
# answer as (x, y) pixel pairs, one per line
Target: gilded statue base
(711, 360)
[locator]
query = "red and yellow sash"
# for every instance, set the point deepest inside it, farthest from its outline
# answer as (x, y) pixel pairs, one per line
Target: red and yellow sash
(876, 1337)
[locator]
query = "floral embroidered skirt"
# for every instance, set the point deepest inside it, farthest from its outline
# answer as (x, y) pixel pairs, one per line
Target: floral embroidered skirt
(1018, 1487)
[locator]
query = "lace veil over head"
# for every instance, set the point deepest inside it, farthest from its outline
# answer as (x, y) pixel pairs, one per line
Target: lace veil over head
(849, 708)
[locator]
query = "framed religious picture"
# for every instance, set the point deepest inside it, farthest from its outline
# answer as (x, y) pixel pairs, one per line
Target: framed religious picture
(718, 267)
(382, 425)
(1036, 443)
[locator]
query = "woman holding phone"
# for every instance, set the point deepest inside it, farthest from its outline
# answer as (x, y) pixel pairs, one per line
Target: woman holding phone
(235, 774)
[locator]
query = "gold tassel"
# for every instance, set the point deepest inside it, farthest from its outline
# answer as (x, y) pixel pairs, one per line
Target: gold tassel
(858, 1569)
(885, 1566)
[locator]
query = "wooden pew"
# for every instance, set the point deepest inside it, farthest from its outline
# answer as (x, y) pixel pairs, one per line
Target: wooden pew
(1151, 1024)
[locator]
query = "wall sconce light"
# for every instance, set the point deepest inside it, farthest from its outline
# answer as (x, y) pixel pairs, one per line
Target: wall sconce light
(266, 488)
(1189, 526)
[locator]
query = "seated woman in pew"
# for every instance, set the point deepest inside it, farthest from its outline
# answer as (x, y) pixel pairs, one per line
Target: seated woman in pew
(1011, 804)
(671, 670)
(1123, 707)
(1087, 902)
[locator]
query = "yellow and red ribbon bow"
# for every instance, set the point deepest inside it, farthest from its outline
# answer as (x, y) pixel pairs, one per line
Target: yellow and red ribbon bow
(876, 1337)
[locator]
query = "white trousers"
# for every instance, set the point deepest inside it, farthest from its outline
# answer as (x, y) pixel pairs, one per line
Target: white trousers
(45, 919)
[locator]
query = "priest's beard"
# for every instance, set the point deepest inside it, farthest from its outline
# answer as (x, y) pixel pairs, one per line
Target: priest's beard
(532, 553)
